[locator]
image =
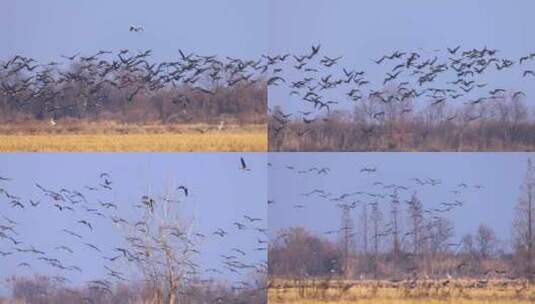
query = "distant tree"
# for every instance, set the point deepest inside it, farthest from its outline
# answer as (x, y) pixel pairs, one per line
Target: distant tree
(524, 222)
(395, 223)
(376, 218)
(467, 244)
(364, 228)
(416, 220)
(347, 243)
(486, 241)
(439, 233)
(298, 253)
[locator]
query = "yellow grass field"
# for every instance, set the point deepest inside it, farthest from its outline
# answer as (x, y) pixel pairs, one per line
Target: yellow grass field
(202, 138)
(456, 292)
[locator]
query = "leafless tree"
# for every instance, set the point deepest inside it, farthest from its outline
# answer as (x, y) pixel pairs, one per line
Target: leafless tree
(395, 222)
(415, 214)
(346, 240)
(364, 228)
(162, 247)
(524, 222)
(376, 218)
(485, 241)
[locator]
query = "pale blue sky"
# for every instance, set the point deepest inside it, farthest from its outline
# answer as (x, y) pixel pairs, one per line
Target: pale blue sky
(220, 194)
(364, 30)
(46, 29)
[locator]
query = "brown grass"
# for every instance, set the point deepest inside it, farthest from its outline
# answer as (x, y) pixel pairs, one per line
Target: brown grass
(114, 137)
(457, 291)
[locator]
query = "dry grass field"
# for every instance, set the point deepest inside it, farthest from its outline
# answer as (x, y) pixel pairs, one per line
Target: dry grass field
(368, 292)
(111, 137)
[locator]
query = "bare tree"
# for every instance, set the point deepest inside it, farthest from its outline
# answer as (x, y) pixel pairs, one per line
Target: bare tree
(467, 244)
(416, 219)
(395, 222)
(376, 217)
(346, 238)
(364, 228)
(524, 222)
(485, 241)
(162, 247)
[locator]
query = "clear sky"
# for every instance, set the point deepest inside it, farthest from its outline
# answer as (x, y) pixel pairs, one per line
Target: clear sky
(220, 194)
(500, 174)
(46, 29)
(364, 30)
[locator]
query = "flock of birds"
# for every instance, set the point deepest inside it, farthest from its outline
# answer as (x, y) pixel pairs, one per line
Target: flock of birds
(385, 190)
(142, 237)
(85, 81)
(321, 83)
(309, 77)
(380, 197)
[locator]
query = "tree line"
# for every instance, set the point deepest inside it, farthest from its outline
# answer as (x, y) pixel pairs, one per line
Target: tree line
(503, 123)
(41, 289)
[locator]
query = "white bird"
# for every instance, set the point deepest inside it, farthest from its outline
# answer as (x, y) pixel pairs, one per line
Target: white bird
(52, 122)
(136, 28)
(221, 125)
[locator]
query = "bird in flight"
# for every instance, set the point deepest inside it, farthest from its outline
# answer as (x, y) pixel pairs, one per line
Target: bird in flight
(454, 50)
(244, 165)
(149, 202)
(84, 222)
(368, 169)
(183, 188)
(136, 28)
